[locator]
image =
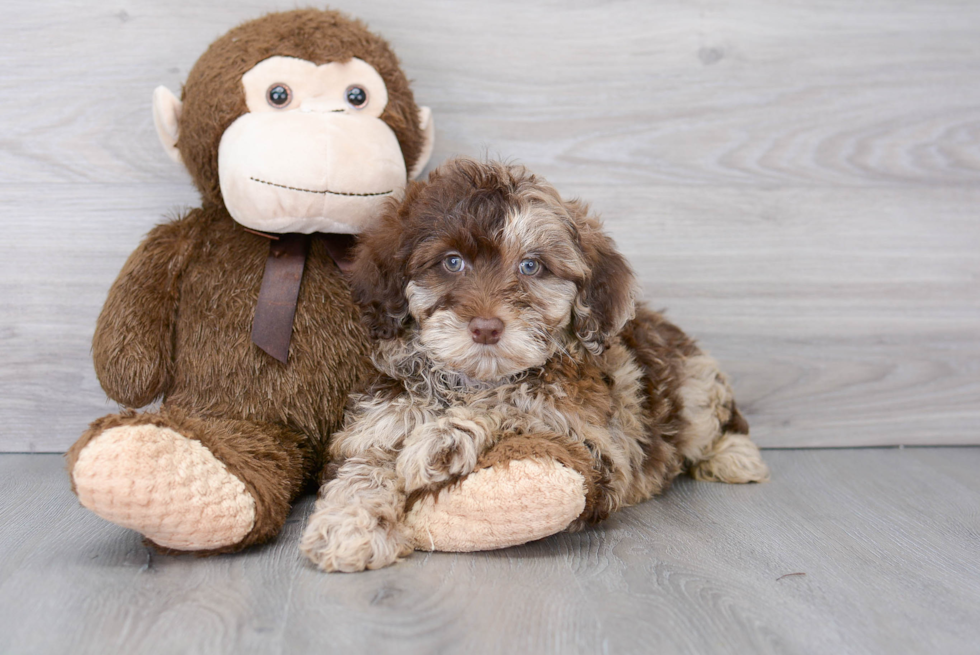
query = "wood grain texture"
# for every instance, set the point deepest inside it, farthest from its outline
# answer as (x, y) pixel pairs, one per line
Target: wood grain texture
(797, 183)
(887, 540)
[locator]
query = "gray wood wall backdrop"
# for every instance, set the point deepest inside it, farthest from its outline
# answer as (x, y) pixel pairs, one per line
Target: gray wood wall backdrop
(798, 182)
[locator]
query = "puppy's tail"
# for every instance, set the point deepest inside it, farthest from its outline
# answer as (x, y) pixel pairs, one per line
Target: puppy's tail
(715, 439)
(732, 457)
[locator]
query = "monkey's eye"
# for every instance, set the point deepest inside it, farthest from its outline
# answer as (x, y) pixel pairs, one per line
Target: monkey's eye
(356, 96)
(453, 263)
(279, 95)
(530, 267)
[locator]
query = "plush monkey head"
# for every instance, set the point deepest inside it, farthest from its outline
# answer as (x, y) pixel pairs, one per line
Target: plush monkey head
(300, 121)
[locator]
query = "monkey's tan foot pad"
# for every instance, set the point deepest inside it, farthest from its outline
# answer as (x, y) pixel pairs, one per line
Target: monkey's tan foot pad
(498, 507)
(169, 488)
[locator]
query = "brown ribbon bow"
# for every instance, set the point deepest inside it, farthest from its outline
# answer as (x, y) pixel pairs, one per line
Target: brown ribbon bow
(272, 327)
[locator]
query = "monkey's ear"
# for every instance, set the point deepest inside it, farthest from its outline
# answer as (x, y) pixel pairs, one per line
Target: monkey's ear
(166, 114)
(607, 296)
(427, 123)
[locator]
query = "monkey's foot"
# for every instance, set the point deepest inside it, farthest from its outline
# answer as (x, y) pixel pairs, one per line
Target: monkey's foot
(498, 507)
(170, 488)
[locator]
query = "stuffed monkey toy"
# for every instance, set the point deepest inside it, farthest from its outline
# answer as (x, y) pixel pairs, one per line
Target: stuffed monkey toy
(296, 128)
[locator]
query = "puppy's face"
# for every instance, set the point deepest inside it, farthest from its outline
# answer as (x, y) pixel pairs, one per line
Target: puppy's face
(493, 271)
(496, 298)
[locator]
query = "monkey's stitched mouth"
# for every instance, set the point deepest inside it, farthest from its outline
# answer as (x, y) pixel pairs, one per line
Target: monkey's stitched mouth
(325, 192)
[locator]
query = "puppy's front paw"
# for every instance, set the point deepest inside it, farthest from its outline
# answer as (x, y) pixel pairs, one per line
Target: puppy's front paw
(436, 452)
(352, 538)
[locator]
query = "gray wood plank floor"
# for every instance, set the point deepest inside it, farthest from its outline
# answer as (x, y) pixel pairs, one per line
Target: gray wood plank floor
(797, 183)
(889, 541)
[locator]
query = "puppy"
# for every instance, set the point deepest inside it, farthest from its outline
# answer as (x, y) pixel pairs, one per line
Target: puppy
(501, 311)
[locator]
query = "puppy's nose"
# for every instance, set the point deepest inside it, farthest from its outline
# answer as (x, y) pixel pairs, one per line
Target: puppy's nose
(486, 330)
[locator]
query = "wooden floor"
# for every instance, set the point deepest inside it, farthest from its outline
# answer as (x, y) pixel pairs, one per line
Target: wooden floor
(888, 540)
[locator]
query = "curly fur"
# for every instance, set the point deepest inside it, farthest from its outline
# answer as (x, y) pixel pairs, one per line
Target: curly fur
(627, 397)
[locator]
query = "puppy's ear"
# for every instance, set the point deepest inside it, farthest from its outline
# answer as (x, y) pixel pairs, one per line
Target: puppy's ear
(378, 274)
(607, 293)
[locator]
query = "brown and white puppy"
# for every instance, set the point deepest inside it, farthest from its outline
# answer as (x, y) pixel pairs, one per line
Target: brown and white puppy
(501, 310)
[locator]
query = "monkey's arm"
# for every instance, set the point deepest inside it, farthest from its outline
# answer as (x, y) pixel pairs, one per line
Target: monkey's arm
(133, 343)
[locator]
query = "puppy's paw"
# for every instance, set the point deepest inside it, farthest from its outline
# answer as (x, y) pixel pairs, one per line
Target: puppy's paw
(352, 538)
(734, 459)
(436, 452)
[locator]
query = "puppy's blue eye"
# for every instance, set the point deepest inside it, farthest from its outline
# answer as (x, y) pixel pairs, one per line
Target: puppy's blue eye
(530, 267)
(453, 263)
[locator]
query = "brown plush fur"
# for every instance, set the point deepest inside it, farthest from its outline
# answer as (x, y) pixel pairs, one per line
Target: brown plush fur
(580, 375)
(205, 271)
(176, 324)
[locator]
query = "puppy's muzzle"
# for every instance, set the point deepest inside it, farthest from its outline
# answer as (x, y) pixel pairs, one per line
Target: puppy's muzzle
(486, 330)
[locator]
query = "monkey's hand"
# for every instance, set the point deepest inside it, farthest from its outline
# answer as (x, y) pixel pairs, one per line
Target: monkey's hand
(133, 342)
